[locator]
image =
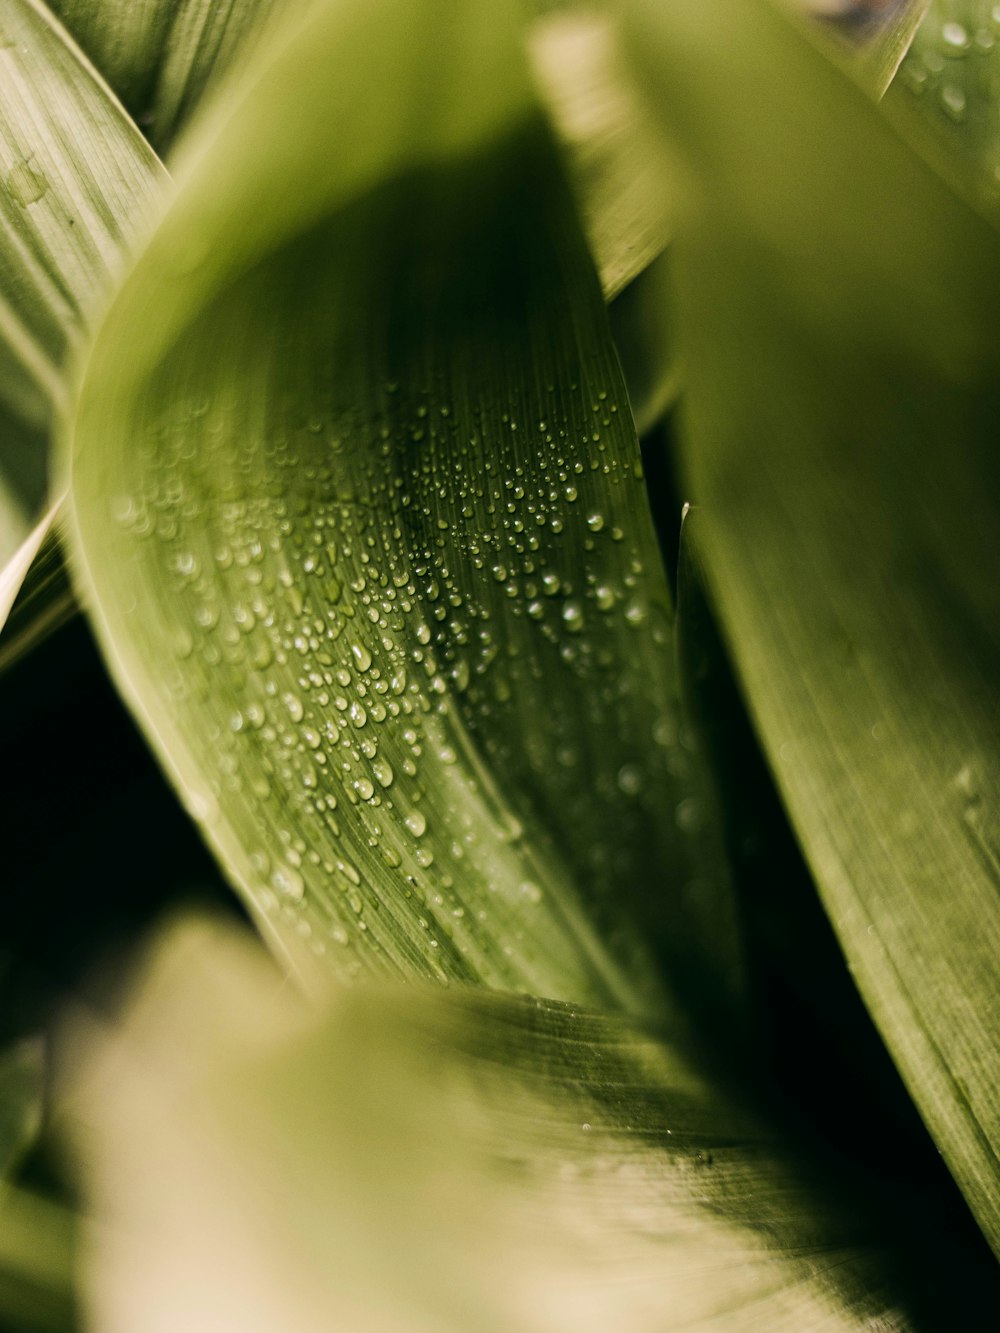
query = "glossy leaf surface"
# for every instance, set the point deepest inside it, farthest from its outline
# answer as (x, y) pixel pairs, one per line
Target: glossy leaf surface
(363, 519)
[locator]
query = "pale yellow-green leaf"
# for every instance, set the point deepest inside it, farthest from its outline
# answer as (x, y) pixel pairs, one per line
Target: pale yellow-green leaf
(600, 118)
(75, 176)
(426, 1161)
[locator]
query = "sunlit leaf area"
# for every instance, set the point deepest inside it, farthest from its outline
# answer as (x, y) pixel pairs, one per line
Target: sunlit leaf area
(500, 666)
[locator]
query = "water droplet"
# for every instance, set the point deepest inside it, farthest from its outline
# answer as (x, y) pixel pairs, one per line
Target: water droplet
(182, 642)
(688, 815)
(357, 714)
(630, 779)
(595, 522)
(965, 780)
(953, 101)
(572, 614)
(364, 789)
(24, 184)
(383, 772)
(289, 882)
(416, 823)
(361, 655)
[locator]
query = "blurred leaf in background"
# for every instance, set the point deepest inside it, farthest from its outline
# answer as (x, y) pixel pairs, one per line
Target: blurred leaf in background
(847, 477)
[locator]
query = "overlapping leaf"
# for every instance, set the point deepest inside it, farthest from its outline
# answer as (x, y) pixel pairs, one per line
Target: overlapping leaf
(162, 56)
(488, 1162)
(74, 176)
(600, 118)
(841, 408)
(36, 1263)
(36, 595)
(21, 1073)
(947, 90)
(881, 32)
(34, 1233)
(363, 518)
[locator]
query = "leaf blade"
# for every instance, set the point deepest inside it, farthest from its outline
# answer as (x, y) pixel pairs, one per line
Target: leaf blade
(497, 627)
(76, 174)
(856, 612)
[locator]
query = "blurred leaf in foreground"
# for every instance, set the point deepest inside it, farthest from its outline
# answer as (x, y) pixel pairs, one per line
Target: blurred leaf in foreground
(840, 418)
(413, 1159)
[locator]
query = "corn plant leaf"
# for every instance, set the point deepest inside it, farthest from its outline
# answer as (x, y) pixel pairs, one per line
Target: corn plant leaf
(35, 1278)
(376, 572)
(946, 94)
(74, 173)
(21, 1074)
(880, 33)
(893, 30)
(417, 1160)
(36, 595)
(599, 117)
(847, 475)
(15, 571)
(37, 1238)
(162, 56)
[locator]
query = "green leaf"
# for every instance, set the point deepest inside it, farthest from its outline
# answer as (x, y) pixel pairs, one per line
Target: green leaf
(362, 518)
(879, 32)
(163, 56)
(74, 174)
(837, 310)
(35, 1234)
(946, 92)
(21, 1075)
(36, 596)
(420, 1160)
(600, 119)
(37, 1242)
(15, 571)
(889, 39)
(643, 333)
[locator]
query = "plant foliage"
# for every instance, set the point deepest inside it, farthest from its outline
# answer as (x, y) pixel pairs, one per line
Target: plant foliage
(367, 434)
